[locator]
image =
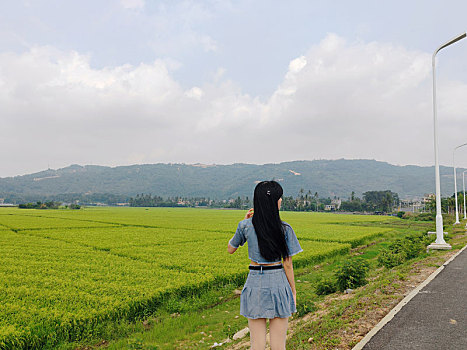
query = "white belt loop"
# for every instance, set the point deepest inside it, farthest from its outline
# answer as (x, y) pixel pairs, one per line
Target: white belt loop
(261, 269)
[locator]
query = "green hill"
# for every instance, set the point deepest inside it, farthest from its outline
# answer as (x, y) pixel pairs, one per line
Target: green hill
(327, 177)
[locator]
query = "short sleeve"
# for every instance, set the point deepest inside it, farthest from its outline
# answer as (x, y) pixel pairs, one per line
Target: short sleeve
(292, 241)
(239, 238)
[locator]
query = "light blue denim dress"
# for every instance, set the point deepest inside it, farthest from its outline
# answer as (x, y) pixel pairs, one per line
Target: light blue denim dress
(267, 293)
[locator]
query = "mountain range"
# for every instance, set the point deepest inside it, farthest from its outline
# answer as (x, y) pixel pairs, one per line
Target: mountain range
(328, 178)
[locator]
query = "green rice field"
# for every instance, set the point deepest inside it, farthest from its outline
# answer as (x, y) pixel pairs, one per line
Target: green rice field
(64, 273)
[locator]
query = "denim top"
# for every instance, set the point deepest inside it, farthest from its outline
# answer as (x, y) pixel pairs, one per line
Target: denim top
(246, 232)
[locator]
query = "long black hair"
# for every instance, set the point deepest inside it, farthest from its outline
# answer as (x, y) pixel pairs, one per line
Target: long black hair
(267, 222)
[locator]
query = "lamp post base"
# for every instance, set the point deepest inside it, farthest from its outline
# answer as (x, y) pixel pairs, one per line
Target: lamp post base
(438, 246)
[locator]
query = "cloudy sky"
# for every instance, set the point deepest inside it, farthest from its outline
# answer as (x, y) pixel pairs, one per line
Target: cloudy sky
(258, 81)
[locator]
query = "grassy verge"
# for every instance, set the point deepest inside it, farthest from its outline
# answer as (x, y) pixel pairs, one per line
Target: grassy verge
(341, 320)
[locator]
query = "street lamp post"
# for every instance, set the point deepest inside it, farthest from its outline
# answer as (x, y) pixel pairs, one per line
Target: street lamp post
(463, 187)
(455, 183)
(440, 243)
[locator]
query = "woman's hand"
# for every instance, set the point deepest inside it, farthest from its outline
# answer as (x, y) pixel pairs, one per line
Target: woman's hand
(249, 214)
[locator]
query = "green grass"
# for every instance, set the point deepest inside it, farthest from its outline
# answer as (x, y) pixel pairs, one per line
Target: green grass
(77, 277)
(355, 235)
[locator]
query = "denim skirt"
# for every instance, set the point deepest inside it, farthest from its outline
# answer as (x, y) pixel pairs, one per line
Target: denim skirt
(267, 294)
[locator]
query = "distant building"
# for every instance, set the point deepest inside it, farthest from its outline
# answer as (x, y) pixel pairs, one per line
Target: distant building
(330, 207)
(3, 204)
(337, 203)
(428, 197)
(414, 204)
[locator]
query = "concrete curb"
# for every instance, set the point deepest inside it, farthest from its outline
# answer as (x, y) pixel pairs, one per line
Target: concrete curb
(404, 301)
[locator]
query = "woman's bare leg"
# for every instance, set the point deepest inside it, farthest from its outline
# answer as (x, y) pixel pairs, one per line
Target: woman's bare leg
(278, 332)
(257, 333)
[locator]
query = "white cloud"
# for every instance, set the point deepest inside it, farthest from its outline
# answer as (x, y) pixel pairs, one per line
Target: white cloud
(340, 99)
(132, 4)
(297, 64)
(195, 93)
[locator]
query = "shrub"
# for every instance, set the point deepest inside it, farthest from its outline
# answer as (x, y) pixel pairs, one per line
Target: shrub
(448, 220)
(326, 286)
(408, 215)
(415, 245)
(400, 214)
(426, 217)
(389, 259)
(417, 216)
(352, 274)
(403, 249)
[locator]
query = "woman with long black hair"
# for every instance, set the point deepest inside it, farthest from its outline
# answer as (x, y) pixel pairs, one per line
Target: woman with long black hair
(269, 291)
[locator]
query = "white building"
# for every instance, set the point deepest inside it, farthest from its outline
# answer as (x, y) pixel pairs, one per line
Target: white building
(337, 203)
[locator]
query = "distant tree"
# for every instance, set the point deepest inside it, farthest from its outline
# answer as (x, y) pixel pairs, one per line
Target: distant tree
(40, 205)
(353, 205)
(380, 200)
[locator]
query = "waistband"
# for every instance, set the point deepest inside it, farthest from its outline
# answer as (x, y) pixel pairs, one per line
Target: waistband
(264, 268)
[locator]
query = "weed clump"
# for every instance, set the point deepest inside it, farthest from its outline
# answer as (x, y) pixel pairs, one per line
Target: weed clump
(304, 308)
(326, 286)
(352, 274)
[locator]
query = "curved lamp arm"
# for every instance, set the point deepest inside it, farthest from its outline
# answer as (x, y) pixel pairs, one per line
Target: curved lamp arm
(452, 41)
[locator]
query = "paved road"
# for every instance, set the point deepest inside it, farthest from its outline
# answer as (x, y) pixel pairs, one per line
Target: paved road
(435, 319)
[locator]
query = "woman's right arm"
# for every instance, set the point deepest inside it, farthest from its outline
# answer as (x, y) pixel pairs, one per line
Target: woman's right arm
(231, 249)
(288, 269)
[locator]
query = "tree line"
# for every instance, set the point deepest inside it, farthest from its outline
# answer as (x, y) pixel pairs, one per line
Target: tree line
(47, 205)
(372, 201)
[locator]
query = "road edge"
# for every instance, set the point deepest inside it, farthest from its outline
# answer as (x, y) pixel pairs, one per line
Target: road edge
(402, 303)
